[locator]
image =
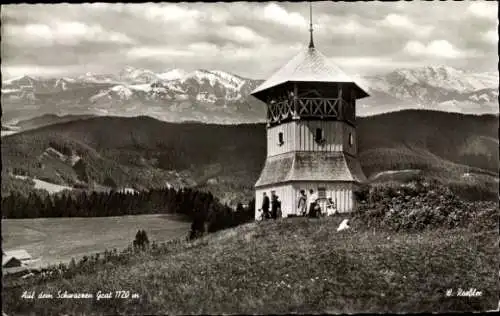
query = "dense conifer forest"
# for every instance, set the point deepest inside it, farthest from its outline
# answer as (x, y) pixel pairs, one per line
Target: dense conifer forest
(206, 212)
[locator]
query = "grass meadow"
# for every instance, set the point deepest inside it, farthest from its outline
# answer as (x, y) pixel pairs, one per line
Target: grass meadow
(297, 265)
(56, 240)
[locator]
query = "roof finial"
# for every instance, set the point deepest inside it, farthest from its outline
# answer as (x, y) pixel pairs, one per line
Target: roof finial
(311, 43)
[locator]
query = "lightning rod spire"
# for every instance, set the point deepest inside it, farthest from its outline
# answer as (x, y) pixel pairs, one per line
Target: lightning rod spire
(311, 43)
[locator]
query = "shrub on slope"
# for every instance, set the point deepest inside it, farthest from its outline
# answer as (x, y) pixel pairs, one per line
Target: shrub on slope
(421, 205)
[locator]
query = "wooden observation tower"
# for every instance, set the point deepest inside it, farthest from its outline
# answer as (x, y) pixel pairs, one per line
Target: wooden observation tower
(311, 132)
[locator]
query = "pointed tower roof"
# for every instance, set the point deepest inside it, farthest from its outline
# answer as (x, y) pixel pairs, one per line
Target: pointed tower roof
(310, 65)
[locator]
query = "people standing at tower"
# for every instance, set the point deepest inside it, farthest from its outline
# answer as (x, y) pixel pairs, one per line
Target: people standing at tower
(312, 201)
(265, 206)
(279, 214)
(331, 207)
(302, 205)
(274, 205)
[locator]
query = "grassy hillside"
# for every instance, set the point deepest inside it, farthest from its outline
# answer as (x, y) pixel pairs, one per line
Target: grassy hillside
(227, 159)
(286, 266)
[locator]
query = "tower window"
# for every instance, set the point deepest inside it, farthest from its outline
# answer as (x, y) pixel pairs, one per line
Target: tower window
(280, 139)
(319, 135)
(351, 139)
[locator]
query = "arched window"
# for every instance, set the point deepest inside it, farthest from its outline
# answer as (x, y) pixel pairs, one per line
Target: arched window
(319, 135)
(280, 139)
(351, 139)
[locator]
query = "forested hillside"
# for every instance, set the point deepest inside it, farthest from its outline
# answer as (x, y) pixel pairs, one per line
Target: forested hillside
(142, 152)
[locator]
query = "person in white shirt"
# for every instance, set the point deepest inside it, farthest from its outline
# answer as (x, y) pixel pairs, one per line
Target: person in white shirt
(302, 205)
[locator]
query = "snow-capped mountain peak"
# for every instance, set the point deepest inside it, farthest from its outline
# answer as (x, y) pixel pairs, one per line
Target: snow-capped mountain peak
(122, 91)
(229, 78)
(172, 74)
(97, 78)
(137, 75)
(68, 79)
(429, 73)
(439, 77)
(226, 80)
(62, 83)
(22, 80)
(216, 95)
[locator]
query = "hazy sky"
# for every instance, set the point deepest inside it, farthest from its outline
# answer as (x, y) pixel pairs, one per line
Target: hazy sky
(246, 38)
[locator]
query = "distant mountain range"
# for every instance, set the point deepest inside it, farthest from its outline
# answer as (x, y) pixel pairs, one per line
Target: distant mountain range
(214, 96)
(141, 152)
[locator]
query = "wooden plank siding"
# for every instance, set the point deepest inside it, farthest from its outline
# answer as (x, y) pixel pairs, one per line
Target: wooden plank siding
(300, 136)
(273, 146)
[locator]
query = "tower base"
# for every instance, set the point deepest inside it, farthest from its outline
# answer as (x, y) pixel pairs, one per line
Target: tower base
(332, 175)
